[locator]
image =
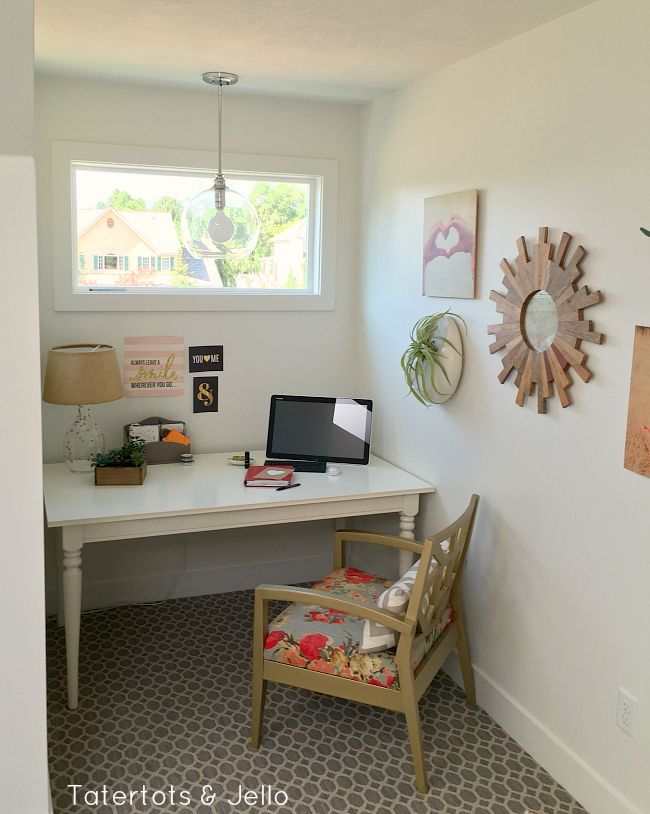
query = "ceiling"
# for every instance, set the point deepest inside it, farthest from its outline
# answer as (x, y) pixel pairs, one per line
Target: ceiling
(337, 49)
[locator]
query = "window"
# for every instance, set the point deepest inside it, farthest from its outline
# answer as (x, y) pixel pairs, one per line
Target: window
(126, 205)
(104, 262)
(148, 207)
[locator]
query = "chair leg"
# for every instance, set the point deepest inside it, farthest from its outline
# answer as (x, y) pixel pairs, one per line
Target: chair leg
(257, 718)
(465, 661)
(415, 736)
(260, 629)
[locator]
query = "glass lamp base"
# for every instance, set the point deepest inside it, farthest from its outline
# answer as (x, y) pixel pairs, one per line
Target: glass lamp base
(82, 442)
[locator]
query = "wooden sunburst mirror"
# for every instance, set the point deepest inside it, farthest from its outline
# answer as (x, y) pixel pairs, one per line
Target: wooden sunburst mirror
(543, 322)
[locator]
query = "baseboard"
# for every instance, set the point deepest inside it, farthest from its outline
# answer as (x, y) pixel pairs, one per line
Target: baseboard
(196, 583)
(590, 789)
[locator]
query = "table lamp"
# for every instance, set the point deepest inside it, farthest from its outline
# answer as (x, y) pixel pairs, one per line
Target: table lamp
(82, 374)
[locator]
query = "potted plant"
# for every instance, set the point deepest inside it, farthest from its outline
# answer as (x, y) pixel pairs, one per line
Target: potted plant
(433, 361)
(122, 467)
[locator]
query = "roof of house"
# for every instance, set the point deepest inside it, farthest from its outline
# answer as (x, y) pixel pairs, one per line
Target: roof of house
(155, 228)
(297, 229)
(195, 266)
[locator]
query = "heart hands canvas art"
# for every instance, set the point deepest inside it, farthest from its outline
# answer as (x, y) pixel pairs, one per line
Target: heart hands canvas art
(449, 253)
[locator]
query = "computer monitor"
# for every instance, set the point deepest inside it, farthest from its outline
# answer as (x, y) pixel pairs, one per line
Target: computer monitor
(309, 428)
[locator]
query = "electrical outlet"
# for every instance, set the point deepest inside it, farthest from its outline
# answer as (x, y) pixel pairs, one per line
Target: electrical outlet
(626, 712)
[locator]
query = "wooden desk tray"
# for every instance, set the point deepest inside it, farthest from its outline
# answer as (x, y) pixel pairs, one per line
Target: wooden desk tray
(161, 452)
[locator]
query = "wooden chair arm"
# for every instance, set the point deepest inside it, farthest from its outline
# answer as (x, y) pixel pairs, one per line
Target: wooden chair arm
(343, 535)
(327, 599)
(379, 538)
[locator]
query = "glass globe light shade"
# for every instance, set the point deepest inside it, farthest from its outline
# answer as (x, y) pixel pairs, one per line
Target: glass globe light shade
(227, 233)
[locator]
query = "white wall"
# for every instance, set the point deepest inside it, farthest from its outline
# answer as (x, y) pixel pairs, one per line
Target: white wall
(553, 128)
(311, 353)
(17, 87)
(23, 738)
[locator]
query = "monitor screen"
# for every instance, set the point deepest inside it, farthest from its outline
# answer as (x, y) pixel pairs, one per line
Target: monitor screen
(306, 428)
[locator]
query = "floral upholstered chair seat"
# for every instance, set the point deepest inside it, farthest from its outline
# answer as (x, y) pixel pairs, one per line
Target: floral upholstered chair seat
(328, 641)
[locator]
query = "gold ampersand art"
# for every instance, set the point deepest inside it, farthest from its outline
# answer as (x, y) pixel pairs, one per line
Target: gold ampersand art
(205, 394)
(543, 322)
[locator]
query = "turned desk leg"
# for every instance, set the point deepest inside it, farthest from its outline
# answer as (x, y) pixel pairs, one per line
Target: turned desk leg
(58, 559)
(407, 525)
(72, 544)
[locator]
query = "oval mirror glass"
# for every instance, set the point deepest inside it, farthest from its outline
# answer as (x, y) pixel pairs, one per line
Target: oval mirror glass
(539, 321)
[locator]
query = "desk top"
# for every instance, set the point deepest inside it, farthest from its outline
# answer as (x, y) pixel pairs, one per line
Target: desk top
(210, 484)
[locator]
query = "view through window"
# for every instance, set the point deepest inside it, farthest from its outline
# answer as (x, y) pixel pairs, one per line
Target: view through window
(128, 232)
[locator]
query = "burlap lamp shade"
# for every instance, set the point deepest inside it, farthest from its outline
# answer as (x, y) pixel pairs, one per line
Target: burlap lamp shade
(82, 374)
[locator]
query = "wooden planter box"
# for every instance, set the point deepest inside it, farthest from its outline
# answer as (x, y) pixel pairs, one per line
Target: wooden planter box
(120, 475)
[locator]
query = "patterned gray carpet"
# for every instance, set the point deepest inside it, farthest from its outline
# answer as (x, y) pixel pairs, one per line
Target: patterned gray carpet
(165, 703)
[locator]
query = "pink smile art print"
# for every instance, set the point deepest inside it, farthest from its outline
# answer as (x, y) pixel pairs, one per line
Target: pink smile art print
(154, 365)
(449, 256)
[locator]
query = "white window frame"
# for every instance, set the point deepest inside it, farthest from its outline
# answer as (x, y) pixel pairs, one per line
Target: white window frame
(165, 265)
(322, 173)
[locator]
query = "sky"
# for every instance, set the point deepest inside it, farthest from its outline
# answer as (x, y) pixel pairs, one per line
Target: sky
(97, 185)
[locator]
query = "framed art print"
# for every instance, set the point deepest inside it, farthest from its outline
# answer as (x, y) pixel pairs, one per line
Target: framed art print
(154, 365)
(449, 252)
(637, 440)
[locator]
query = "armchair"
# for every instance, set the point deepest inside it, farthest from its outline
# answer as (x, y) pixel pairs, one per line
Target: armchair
(330, 659)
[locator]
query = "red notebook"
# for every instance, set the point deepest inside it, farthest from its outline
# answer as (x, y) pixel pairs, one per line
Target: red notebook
(268, 475)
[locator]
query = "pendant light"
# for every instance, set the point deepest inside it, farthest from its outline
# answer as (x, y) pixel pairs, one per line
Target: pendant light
(219, 222)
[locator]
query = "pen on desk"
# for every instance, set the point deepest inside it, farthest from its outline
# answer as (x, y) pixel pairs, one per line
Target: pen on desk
(288, 486)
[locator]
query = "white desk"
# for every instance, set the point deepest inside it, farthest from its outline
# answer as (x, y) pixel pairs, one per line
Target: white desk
(206, 496)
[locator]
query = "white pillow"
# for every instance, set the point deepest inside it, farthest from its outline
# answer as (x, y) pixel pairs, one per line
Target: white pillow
(395, 599)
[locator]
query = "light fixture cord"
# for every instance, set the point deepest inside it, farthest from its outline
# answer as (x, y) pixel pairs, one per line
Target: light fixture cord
(219, 182)
(219, 142)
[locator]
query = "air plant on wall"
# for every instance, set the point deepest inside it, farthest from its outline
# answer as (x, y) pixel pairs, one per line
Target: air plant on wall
(645, 231)
(424, 357)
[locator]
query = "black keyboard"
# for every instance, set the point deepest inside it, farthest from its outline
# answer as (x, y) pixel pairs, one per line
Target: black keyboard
(301, 466)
